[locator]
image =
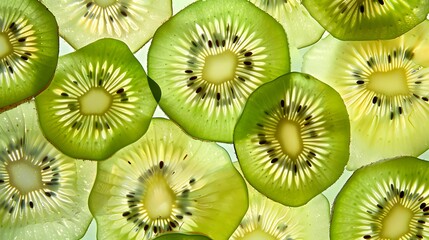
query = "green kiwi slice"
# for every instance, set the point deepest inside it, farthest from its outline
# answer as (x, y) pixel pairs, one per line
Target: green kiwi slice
(168, 181)
(43, 193)
(98, 102)
(181, 236)
(384, 200)
(207, 64)
(292, 140)
(29, 46)
(385, 85)
(133, 22)
(269, 220)
(301, 28)
(367, 19)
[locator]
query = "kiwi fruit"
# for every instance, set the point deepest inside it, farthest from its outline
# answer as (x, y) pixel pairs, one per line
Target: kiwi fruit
(301, 28)
(98, 102)
(181, 236)
(292, 139)
(167, 181)
(133, 22)
(269, 220)
(43, 193)
(367, 20)
(385, 85)
(384, 200)
(207, 64)
(29, 46)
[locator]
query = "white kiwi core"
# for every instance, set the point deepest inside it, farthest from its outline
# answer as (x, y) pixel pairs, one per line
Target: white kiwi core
(159, 198)
(5, 45)
(220, 68)
(104, 3)
(258, 234)
(289, 136)
(390, 83)
(396, 223)
(24, 176)
(95, 102)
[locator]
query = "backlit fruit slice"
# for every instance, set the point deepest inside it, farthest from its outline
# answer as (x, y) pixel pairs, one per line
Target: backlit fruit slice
(98, 102)
(168, 181)
(292, 140)
(384, 200)
(133, 22)
(367, 19)
(43, 193)
(29, 46)
(385, 85)
(181, 236)
(208, 64)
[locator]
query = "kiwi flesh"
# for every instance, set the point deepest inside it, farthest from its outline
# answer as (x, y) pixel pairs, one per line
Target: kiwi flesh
(98, 102)
(301, 28)
(133, 22)
(367, 20)
(182, 236)
(29, 46)
(384, 200)
(385, 85)
(167, 181)
(207, 64)
(292, 140)
(43, 193)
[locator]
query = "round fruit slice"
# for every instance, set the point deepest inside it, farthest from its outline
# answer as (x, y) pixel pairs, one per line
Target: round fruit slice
(133, 22)
(269, 220)
(367, 20)
(385, 200)
(98, 102)
(292, 140)
(29, 47)
(43, 193)
(208, 64)
(301, 28)
(181, 236)
(385, 85)
(168, 181)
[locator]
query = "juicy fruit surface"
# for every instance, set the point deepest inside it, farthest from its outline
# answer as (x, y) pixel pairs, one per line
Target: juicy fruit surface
(386, 89)
(98, 102)
(133, 22)
(292, 140)
(29, 49)
(207, 65)
(385, 200)
(164, 182)
(38, 184)
(367, 20)
(181, 236)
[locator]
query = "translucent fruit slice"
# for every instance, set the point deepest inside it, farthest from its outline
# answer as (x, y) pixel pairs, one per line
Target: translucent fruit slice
(208, 64)
(384, 200)
(301, 28)
(133, 22)
(29, 46)
(43, 193)
(292, 140)
(98, 102)
(181, 236)
(385, 85)
(367, 20)
(168, 182)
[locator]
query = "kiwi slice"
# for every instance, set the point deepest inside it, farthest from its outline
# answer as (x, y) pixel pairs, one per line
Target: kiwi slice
(29, 46)
(207, 64)
(292, 140)
(43, 193)
(367, 20)
(133, 22)
(168, 182)
(384, 200)
(181, 236)
(269, 220)
(385, 85)
(98, 102)
(301, 28)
